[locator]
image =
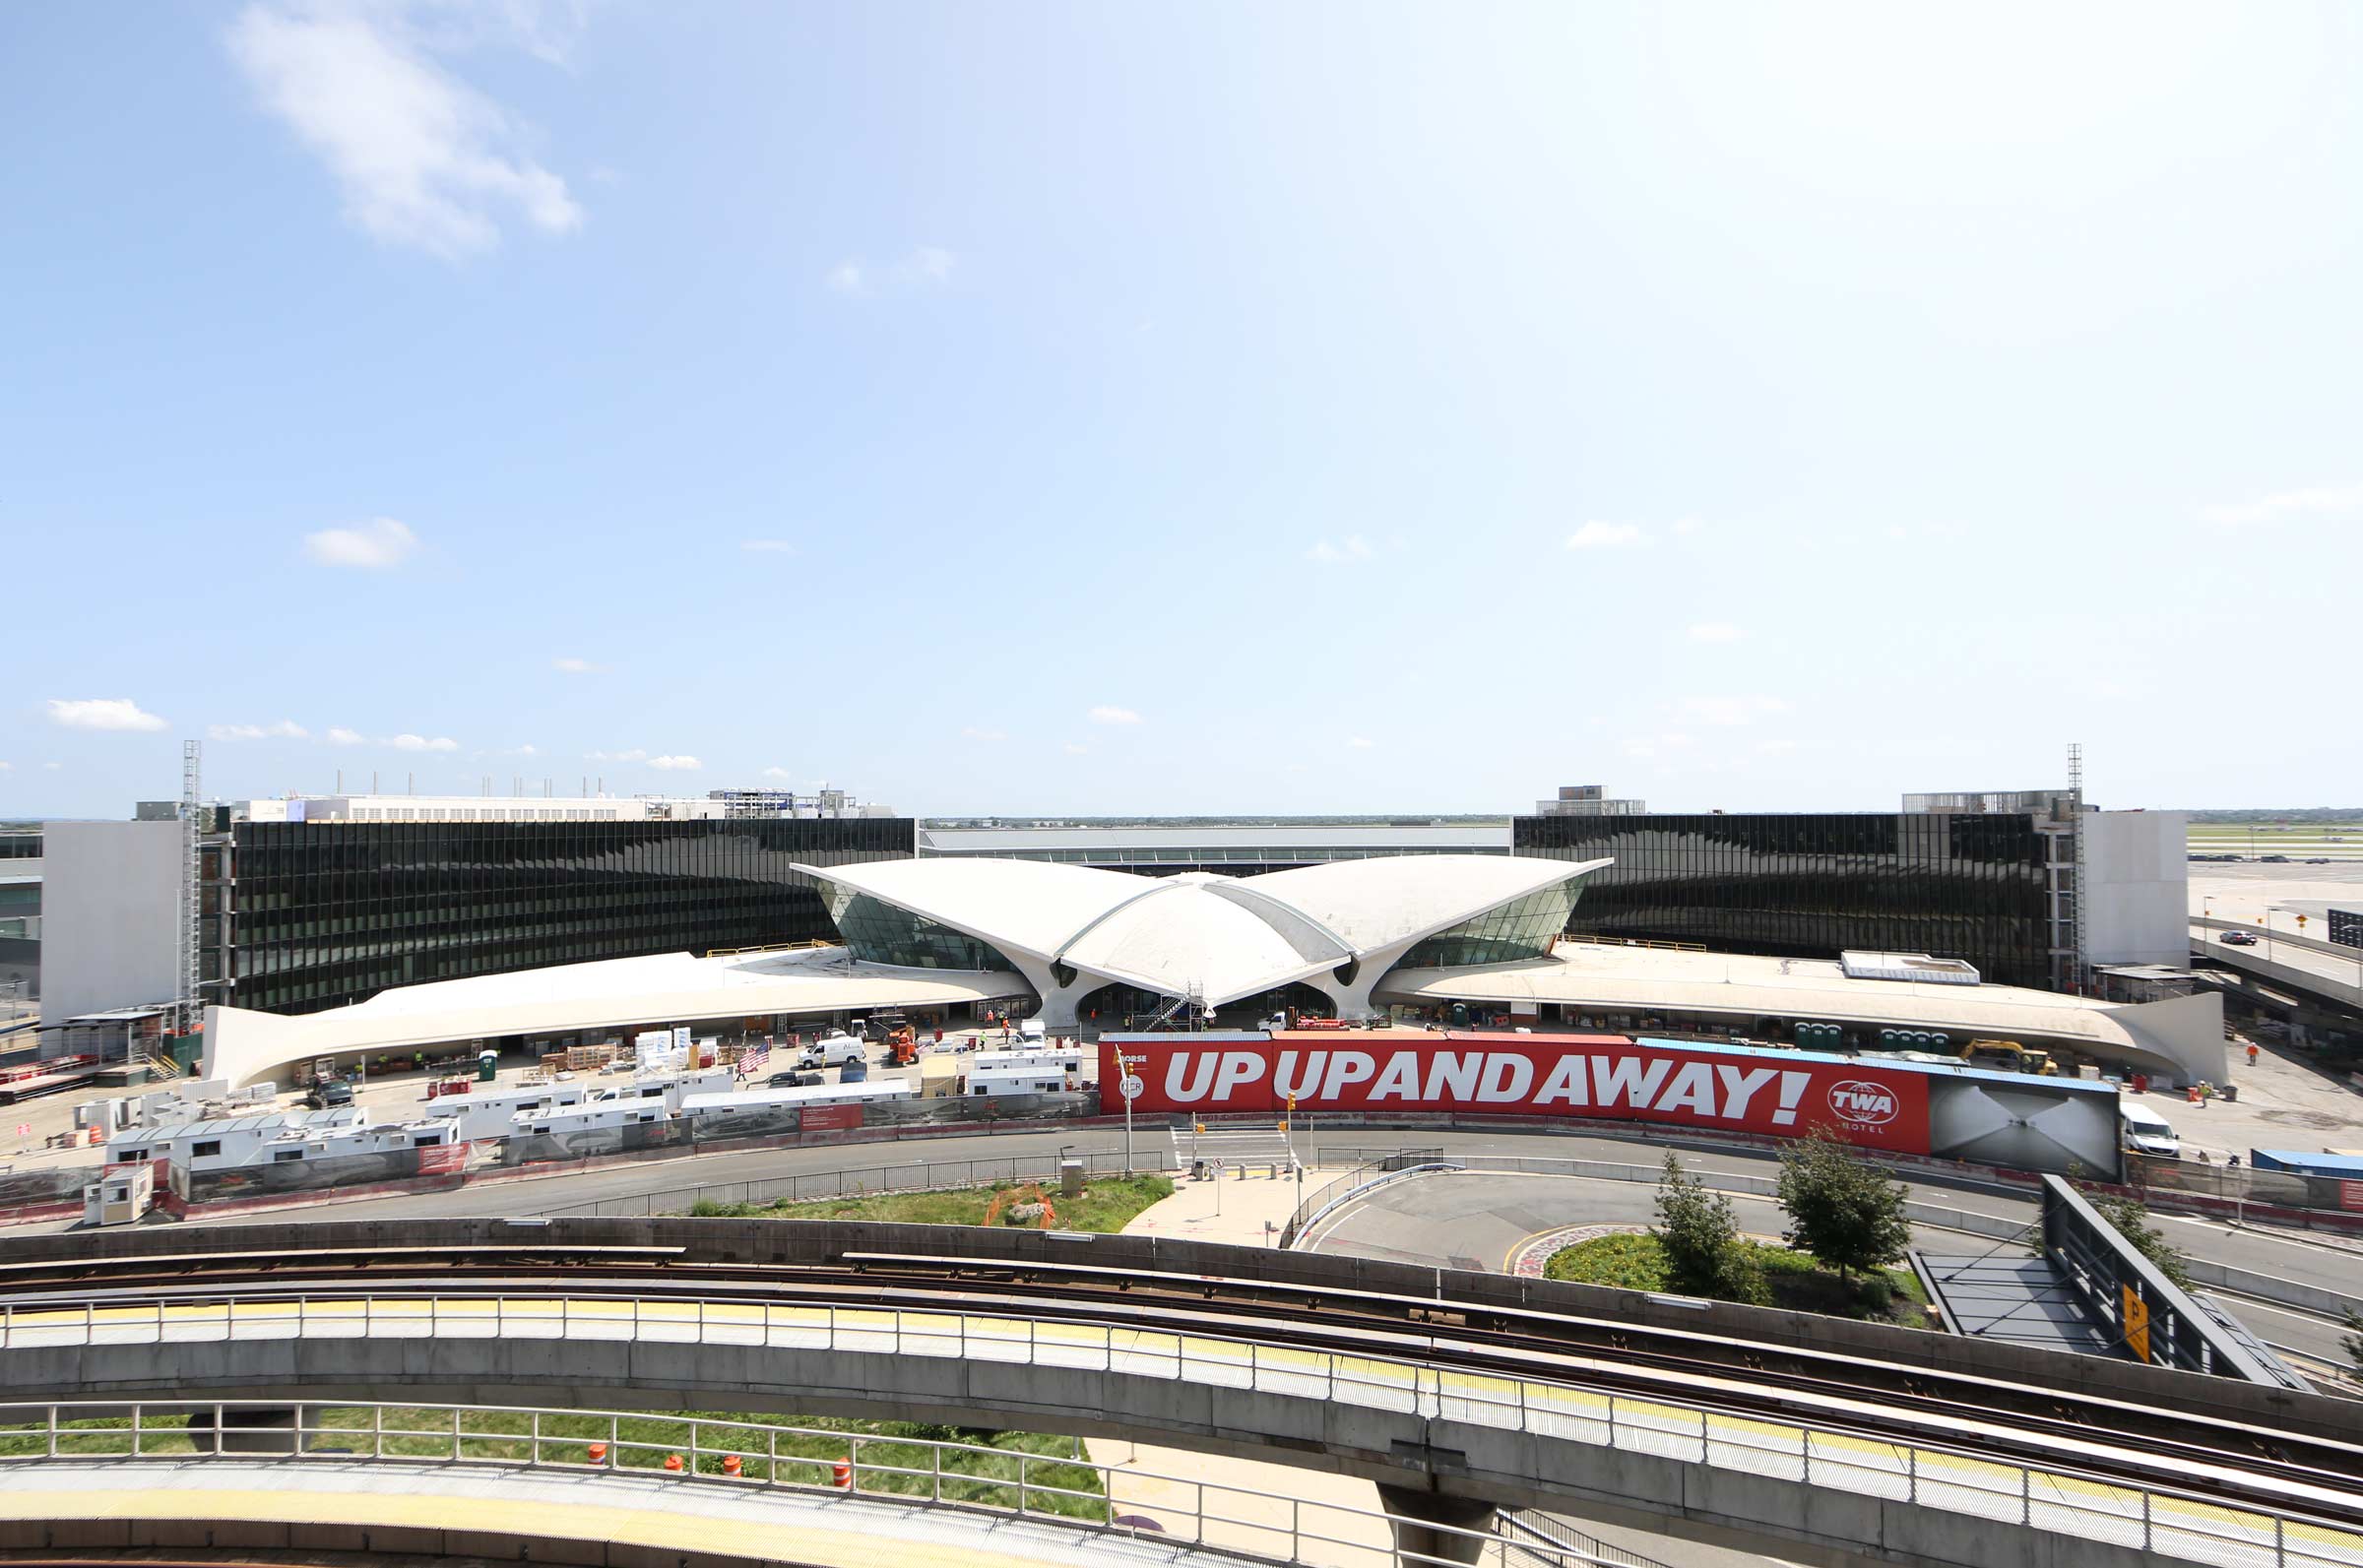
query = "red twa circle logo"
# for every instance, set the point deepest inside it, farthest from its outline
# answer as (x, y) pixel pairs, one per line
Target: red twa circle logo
(1862, 1103)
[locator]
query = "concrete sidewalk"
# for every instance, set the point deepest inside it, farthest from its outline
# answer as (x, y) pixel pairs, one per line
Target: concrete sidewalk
(1258, 1502)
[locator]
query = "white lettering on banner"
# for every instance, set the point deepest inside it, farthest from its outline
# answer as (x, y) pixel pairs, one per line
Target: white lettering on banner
(1866, 1104)
(1740, 1085)
(1567, 1082)
(1791, 1090)
(1507, 1077)
(1694, 1091)
(1174, 1065)
(1629, 1078)
(1238, 1068)
(1283, 1081)
(1455, 1073)
(1400, 1080)
(1347, 1067)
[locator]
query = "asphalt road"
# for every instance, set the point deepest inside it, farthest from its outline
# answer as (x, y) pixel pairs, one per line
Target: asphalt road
(1477, 1240)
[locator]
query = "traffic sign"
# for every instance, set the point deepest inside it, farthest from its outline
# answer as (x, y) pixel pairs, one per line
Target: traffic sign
(1131, 1088)
(2136, 1324)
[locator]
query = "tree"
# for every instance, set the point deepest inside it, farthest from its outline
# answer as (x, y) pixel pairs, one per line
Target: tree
(2131, 1220)
(1843, 1210)
(2352, 1340)
(1705, 1254)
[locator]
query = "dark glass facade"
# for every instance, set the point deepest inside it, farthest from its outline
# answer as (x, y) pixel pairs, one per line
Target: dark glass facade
(1522, 928)
(875, 932)
(323, 914)
(1967, 886)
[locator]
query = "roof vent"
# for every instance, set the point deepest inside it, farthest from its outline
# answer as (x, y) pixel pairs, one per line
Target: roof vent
(1907, 966)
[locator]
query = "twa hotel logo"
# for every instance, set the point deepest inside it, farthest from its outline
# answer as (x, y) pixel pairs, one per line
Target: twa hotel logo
(1863, 1105)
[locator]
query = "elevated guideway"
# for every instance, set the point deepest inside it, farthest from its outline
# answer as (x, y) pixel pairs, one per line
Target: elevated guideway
(2284, 957)
(1817, 1440)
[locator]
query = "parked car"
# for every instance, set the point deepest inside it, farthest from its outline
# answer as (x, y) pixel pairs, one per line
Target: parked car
(2239, 939)
(2318, 860)
(327, 1097)
(2275, 859)
(793, 1081)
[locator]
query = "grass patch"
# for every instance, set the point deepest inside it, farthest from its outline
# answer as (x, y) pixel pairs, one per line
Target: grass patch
(990, 1473)
(1799, 1284)
(1107, 1204)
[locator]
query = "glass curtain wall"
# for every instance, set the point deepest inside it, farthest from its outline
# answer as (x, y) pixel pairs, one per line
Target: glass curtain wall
(1520, 930)
(877, 932)
(321, 915)
(1812, 885)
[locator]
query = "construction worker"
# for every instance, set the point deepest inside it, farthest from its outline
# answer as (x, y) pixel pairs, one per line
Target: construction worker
(2252, 1057)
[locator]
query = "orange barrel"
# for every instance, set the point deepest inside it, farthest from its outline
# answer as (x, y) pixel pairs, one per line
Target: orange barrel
(730, 1464)
(598, 1453)
(842, 1474)
(673, 1462)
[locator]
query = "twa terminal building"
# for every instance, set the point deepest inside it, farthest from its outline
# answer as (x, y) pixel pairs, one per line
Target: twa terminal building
(1091, 951)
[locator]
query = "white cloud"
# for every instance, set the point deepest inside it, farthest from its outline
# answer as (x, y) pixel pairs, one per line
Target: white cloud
(1716, 632)
(341, 737)
(422, 157)
(574, 667)
(1073, 750)
(7, 766)
(1605, 536)
(1646, 747)
(931, 264)
(1353, 547)
(777, 773)
(1732, 710)
(769, 546)
(422, 743)
(636, 754)
(285, 729)
(101, 712)
(924, 267)
(1106, 714)
(676, 764)
(1360, 742)
(529, 749)
(1773, 748)
(1687, 525)
(373, 545)
(2323, 500)
(972, 733)
(51, 767)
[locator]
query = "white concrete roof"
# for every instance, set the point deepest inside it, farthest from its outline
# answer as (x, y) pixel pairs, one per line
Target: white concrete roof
(1226, 937)
(611, 995)
(1636, 979)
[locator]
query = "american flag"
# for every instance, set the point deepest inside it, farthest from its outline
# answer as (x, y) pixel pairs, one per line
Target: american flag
(754, 1058)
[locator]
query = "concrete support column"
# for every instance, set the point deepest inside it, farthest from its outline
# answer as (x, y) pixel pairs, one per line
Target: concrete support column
(1414, 1511)
(246, 1431)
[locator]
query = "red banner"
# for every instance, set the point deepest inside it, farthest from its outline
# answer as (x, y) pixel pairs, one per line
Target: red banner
(829, 1118)
(1580, 1076)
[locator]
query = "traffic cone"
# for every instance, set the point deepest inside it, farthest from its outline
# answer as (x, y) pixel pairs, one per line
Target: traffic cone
(841, 1475)
(673, 1462)
(598, 1453)
(730, 1464)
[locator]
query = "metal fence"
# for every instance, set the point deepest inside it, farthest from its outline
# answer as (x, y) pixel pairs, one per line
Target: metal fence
(1939, 1476)
(909, 1176)
(733, 1455)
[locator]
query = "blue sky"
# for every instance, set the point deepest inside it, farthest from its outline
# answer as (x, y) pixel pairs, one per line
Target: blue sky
(1221, 408)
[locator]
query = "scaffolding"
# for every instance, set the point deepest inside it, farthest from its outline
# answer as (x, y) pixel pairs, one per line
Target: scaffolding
(192, 886)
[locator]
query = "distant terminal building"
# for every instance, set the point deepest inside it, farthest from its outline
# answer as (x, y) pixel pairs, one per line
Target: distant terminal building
(312, 903)
(1587, 800)
(1224, 849)
(1992, 878)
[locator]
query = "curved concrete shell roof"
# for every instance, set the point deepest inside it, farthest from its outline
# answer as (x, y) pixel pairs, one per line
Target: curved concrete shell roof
(1220, 939)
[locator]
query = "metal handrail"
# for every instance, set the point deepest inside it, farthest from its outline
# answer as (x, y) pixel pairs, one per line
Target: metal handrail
(1934, 1473)
(816, 1186)
(57, 1433)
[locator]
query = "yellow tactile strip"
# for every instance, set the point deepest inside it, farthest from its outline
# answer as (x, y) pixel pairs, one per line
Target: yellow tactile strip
(685, 1528)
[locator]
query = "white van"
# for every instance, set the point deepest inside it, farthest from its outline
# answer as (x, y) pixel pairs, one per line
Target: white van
(2147, 1132)
(1033, 1032)
(833, 1050)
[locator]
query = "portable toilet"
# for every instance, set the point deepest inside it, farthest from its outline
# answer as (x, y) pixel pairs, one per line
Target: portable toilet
(487, 1066)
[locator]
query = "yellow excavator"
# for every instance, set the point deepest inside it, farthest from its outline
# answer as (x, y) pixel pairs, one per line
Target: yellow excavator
(2009, 1056)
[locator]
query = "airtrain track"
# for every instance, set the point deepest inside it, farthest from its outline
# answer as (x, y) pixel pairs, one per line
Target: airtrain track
(2310, 1465)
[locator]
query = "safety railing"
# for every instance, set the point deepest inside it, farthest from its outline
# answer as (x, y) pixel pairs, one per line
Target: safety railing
(733, 1452)
(1153, 1158)
(1925, 1474)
